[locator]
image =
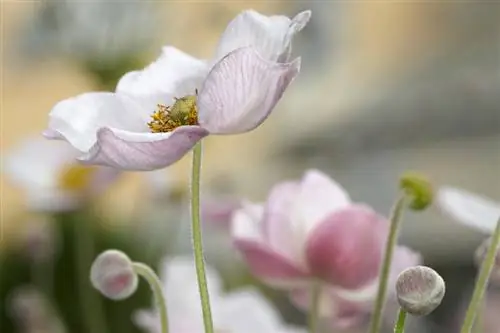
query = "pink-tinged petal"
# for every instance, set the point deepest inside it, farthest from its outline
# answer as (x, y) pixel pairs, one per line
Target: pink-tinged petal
(343, 313)
(219, 212)
(173, 73)
(403, 258)
(79, 118)
(142, 151)
(270, 35)
(270, 266)
(278, 222)
(318, 197)
(470, 209)
(346, 248)
(241, 90)
(246, 222)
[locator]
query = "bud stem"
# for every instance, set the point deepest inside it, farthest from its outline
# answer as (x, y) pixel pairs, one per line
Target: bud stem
(482, 282)
(395, 221)
(314, 306)
(154, 282)
(198, 240)
(400, 323)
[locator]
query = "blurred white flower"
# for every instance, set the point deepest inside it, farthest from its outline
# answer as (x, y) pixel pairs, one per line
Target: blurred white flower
(242, 311)
(51, 177)
(33, 312)
(470, 209)
(90, 30)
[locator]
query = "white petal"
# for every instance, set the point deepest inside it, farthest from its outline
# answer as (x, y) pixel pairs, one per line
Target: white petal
(241, 91)
(470, 209)
(270, 35)
(246, 222)
(38, 162)
(79, 118)
(173, 73)
(247, 311)
(319, 196)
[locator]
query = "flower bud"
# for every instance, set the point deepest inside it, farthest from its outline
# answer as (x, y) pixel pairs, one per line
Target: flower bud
(480, 256)
(419, 290)
(112, 273)
(418, 188)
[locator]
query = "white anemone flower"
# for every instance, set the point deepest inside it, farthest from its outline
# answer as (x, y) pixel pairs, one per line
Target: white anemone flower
(51, 177)
(233, 93)
(470, 209)
(241, 311)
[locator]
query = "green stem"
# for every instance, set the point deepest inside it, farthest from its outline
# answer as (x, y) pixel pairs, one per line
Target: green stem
(482, 282)
(400, 323)
(395, 221)
(154, 282)
(314, 306)
(198, 240)
(91, 305)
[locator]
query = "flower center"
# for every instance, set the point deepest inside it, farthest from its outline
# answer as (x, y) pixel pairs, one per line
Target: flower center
(76, 177)
(183, 112)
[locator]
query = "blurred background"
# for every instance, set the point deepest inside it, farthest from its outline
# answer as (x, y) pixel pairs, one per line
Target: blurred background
(385, 87)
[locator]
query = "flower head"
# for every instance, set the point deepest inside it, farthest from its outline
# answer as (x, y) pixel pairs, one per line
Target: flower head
(420, 290)
(159, 113)
(241, 311)
(310, 229)
(470, 209)
(348, 309)
(52, 179)
(112, 273)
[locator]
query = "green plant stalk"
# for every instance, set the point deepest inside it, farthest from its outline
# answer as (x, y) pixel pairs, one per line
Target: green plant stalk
(395, 222)
(198, 240)
(482, 282)
(313, 316)
(91, 305)
(400, 323)
(156, 287)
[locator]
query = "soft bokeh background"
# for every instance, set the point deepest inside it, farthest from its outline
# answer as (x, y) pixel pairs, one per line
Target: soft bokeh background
(385, 87)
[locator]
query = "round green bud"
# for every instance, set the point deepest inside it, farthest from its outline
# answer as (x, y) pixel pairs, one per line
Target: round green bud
(418, 188)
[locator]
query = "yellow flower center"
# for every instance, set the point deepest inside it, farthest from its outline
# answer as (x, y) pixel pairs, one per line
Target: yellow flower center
(183, 112)
(76, 177)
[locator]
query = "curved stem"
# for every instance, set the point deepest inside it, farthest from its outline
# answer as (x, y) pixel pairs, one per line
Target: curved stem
(400, 323)
(314, 306)
(482, 282)
(198, 240)
(154, 282)
(385, 269)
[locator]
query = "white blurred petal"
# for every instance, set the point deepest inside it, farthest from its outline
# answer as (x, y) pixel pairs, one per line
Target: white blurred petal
(469, 209)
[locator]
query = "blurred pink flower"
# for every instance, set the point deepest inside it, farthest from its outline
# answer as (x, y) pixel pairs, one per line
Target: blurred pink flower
(238, 89)
(241, 311)
(310, 230)
(470, 209)
(51, 177)
(218, 211)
